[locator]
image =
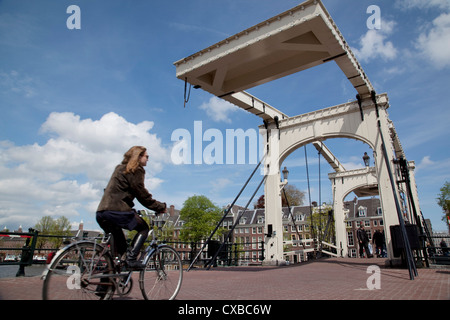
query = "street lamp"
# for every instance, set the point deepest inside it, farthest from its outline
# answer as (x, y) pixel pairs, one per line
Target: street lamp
(285, 178)
(285, 173)
(366, 159)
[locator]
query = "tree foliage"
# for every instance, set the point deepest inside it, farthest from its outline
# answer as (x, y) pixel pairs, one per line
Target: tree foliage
(51, 226)
(200, 216)
(294, 197)
(320, 216)
(443, 200)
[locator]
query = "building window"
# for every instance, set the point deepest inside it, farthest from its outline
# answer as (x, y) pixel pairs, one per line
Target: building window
(350, 238)
(362, 211)
(379, 211)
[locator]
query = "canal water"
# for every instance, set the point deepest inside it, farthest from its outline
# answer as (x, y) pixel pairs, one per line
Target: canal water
(9, 271)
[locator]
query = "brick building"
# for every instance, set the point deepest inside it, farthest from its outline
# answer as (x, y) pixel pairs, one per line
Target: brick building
(249, 235)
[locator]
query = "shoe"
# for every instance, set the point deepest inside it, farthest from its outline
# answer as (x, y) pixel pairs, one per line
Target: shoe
(135, 264)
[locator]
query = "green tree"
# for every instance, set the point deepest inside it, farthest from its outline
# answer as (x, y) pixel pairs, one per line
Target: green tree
(200, 216)
(55, 227)
(319, 222)
(294, 196)
(443, 200)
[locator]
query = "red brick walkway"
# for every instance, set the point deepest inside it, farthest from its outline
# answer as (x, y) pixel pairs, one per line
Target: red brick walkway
(325, 279)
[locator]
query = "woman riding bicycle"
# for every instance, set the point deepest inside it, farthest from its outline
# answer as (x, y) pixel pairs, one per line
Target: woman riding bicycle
(115, 210)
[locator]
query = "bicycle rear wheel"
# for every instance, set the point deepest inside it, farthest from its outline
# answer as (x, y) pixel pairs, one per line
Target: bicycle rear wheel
(161, 279)
(79, 272)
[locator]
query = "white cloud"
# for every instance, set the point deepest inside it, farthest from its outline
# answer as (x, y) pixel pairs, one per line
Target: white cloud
(352, 165)
(22, 85)
(435, 42)
(426, 162)
(374, 45)
(420, 4)
(67, 174)
(219, 184)
(219, 110)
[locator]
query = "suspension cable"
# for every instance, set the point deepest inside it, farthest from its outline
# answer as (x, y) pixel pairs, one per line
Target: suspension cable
(225, 214)
(309, 191)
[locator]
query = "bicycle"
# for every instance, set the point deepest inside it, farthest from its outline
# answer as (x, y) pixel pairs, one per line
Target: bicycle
(86, 269)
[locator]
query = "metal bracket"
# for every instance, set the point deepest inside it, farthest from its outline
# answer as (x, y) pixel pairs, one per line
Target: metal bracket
(374, 100)
(358, 97)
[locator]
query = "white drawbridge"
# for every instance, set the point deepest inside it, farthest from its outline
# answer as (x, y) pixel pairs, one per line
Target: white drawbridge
(295, 40)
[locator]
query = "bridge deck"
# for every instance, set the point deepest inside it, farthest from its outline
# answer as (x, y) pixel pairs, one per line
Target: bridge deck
(324, 279)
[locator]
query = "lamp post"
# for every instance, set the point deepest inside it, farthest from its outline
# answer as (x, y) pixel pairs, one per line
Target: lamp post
(366, 159)
(285, 173)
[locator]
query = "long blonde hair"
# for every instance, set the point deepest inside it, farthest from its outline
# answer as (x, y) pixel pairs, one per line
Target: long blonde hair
(131, 158)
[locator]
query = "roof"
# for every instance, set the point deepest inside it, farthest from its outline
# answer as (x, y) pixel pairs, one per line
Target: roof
(372, 204)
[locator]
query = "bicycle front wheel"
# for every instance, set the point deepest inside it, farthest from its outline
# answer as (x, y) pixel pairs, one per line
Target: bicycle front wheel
(80, 272)
(161, 279)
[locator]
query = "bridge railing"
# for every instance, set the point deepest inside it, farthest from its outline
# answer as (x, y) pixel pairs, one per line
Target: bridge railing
(31, 248)
(438, 249)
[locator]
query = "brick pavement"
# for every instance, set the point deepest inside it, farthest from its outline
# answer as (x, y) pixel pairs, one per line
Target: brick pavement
(324, 279)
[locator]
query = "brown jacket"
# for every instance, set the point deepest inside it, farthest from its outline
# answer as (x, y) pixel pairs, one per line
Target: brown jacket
(123, 188)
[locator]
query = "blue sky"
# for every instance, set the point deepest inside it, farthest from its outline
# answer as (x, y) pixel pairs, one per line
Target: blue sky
(73, 101)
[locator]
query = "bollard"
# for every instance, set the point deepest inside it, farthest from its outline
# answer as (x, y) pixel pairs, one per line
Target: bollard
(27, 253)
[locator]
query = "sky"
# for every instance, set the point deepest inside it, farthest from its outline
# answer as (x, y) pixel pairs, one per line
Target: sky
(76, 92)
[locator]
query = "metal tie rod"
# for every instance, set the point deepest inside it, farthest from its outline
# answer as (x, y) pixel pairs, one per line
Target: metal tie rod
(226, 213)
(234, 225)
(409, 258)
